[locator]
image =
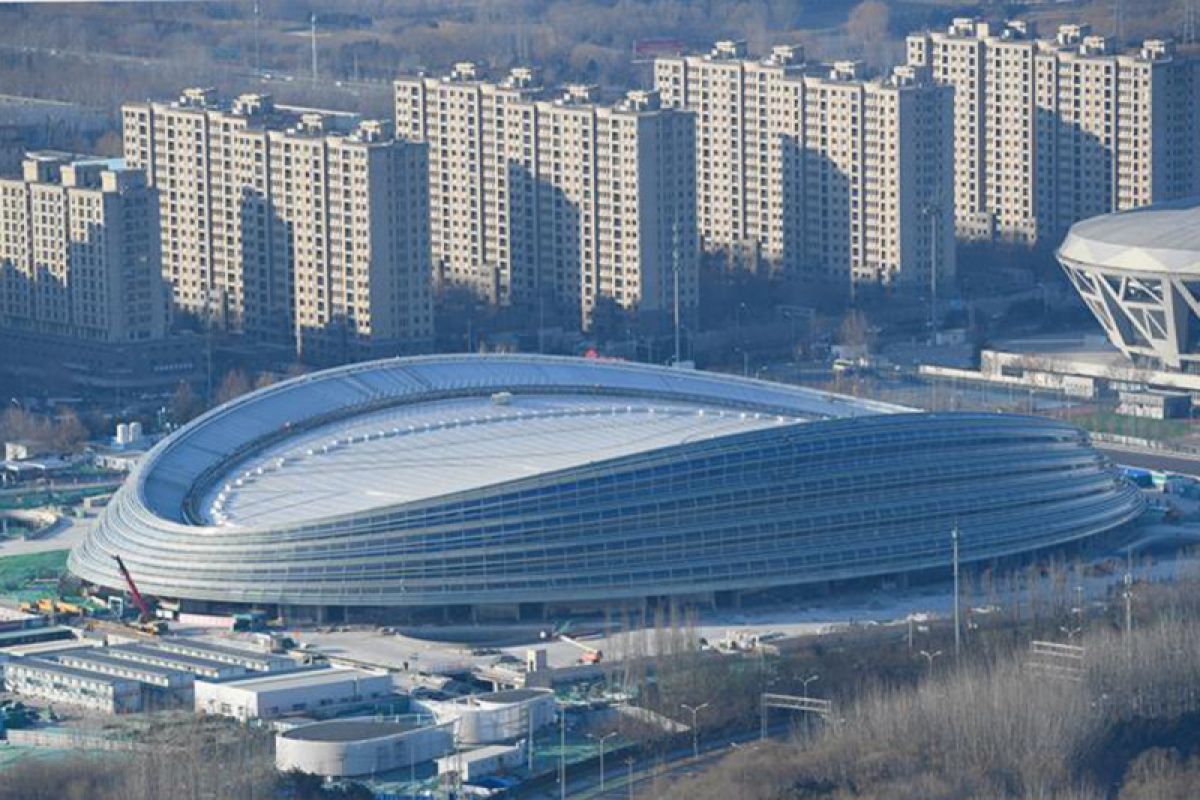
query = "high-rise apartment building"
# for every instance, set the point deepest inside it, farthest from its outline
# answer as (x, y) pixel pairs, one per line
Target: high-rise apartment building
(1050, 131)
(565, 199)
(289, 225)
(822, 173)
(79, 252)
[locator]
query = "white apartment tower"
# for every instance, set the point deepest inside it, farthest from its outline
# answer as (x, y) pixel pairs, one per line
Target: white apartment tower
(289, 225)
(565, 200)
(1050, 131)
(825, 175)
(79, 252)
(743, 108)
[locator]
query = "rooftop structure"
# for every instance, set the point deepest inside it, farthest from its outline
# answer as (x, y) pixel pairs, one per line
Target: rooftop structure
(727, 484)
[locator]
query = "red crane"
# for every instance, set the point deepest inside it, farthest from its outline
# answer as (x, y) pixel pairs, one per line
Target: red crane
(138, 600)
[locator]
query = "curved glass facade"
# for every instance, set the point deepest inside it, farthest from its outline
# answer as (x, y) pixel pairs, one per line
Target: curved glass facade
(873, 491)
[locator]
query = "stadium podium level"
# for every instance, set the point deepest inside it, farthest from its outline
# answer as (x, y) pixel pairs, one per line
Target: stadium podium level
(1138, 272)
(499, 480)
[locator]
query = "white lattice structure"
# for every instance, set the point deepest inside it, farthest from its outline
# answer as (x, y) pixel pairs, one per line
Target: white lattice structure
(1139, 273)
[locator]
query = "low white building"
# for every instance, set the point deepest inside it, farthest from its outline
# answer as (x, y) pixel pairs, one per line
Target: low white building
(47, 680)
(471, 765)
(360, 746)
(495, 716)
(269, 696)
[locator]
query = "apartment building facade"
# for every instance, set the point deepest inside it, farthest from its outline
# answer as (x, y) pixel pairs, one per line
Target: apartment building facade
(1051, 131)
(819, 172)
(79, 252)
(289, 225)
(562, 199)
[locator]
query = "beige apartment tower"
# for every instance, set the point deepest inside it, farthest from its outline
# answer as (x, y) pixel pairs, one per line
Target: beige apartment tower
(818, 172)
(289, 225)
(556, 199)
(79, 252)
(1051, 131)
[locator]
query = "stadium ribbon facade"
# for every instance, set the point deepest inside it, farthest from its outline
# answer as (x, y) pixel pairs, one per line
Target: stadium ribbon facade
(478, 480)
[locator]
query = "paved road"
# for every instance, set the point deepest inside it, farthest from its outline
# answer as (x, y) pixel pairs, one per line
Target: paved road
(1146, 459)
(69, 532)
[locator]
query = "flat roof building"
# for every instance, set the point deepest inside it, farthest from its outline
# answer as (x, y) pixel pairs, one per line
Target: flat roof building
(289, 225)
(1052, 130)
(48, 680)
(305, 692)
(236, 656)
(200, 667)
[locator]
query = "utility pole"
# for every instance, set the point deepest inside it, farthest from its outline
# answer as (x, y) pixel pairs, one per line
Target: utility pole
(675, 269)
(257, 43)
(562, 755)
(313, 37)
(530, 715)
(1129, 614)
(957, 626)
(602, 740)
(931, 209)
(695, 731)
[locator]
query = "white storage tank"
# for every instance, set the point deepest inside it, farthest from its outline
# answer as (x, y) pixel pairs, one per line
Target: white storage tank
(360, 746)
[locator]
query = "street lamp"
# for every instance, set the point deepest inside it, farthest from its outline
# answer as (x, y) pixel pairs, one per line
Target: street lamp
(601, 740)
(695, 733)
(928, 656)
(808, 680)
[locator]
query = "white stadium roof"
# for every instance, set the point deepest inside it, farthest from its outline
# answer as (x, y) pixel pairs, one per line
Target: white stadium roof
(386, 433)
(427, 450)
(1163, 238)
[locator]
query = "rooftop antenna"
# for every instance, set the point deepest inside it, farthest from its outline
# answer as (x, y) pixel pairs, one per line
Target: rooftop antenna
(313, 36)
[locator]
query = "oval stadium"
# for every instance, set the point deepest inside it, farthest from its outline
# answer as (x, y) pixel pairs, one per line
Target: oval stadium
(486, 481)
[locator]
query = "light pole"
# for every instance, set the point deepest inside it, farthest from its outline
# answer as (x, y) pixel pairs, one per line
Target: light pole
(1071, 632)
(929, 657)
(808, 680)
(957, 626)
(602, 740)
(695, 732)
(629, 764)
(562, 754)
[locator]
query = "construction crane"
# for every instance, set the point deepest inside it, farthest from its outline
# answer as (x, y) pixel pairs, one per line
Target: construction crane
(146, 621)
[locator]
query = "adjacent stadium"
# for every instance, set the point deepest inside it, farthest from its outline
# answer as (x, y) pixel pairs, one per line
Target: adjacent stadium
(1138, 271)
(477, 481)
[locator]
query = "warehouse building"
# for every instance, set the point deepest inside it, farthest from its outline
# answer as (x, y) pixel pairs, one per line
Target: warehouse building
(236, 656)
(200, 667)
(360, 746)
(162, 687)
(304, 692)
(48, 680)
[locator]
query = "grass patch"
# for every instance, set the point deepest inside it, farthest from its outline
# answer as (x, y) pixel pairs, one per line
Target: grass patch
(1141, 427)
(16, 572)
